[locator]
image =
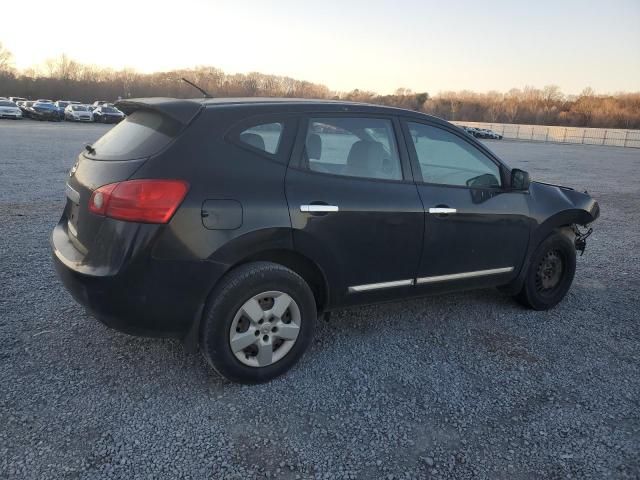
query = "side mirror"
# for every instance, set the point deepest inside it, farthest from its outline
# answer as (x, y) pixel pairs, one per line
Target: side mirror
(520, 179)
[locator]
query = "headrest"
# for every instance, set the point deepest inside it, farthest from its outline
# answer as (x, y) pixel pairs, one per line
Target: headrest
(314, 146)
(253, 139)
(366, 156)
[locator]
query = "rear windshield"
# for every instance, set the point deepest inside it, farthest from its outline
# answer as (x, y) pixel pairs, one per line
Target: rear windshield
(141, 134)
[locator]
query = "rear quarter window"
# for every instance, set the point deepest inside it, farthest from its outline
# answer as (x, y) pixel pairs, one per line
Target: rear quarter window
(265, 136)
(141, 134)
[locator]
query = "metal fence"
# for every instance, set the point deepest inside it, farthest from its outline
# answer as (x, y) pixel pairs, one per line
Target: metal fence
(543, 133)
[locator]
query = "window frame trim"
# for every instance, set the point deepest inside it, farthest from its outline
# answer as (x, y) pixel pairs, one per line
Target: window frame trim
(297, 163)
(415, 163)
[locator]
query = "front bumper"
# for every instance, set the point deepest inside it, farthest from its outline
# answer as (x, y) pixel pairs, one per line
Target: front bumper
(45, 115)
(110, 119)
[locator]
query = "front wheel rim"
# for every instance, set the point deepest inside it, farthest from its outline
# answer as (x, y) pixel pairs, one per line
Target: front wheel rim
(265, 329)
(550, 272)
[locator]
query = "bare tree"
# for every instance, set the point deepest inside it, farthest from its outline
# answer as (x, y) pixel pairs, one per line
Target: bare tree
(6, 59)
(63, 77)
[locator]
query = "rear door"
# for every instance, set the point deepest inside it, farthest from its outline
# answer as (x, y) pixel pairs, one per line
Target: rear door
(354, 207)
(476, 229)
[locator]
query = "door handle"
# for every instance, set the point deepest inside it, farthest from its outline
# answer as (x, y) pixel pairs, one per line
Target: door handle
(315, 208)
(442, 210)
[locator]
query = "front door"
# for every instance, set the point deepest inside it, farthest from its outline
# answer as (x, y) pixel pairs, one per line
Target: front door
(476, 230)
(354, 207)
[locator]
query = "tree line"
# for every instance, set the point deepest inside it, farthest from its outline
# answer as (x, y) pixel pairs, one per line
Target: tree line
(65, 78)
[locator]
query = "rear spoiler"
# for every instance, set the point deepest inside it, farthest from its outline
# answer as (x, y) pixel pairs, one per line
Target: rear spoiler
(182, 111)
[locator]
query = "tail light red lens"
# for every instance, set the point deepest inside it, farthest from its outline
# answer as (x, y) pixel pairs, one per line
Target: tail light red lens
(147, 201)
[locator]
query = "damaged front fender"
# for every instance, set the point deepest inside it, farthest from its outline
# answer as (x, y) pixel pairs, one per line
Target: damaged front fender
(556, 208)
(553, 207)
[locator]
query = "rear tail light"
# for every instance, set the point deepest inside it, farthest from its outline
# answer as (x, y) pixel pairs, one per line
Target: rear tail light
(147, 201)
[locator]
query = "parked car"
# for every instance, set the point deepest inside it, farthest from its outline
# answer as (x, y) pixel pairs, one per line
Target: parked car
(78, 113)
(98, 103)
(106, 114)
(44, 111)
(61, 105)
(17, 99)
(25, 108)
(470, 131)
(233, 223)
(9, 109)
(486, 133)
(479, 133)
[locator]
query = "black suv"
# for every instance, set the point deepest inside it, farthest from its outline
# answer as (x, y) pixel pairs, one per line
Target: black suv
(234, 223)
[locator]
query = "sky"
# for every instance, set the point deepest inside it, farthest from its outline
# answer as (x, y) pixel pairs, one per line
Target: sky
(424, 45)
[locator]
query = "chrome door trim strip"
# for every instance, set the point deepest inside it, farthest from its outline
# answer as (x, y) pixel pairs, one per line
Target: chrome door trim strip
(376, 286)
(460, 276)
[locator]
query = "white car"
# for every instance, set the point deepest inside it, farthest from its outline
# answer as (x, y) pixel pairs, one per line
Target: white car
(78, 113)
(10, 110)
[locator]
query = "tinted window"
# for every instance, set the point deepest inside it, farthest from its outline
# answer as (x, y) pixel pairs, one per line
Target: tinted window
(447, 159)
(265, 137)
(141, 134)
(357, 147)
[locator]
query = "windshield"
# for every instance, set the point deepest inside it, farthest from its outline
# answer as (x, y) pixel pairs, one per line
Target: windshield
(7, 104)
(79, 108)
(110, 110)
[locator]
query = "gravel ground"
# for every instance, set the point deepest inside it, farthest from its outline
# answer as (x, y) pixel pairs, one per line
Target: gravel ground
(458, 386)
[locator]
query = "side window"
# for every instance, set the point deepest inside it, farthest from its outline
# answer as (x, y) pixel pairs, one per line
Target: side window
(265, 137)
(355, 147)
(447, 159)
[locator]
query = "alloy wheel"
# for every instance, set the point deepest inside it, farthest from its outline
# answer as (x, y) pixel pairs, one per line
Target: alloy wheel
(265, 328)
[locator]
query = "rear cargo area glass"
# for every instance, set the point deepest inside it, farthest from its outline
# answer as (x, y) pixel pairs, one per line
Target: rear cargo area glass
(141, 134)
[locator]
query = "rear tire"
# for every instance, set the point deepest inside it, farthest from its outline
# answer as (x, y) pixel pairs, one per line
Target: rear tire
(268, 312)
(549, 274)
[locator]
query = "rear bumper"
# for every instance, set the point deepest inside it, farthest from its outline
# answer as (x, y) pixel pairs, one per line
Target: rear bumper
(146, 297)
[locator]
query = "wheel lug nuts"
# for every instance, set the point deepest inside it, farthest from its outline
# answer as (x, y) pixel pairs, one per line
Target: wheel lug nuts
(265, 338)
(274, 329)
(257, 333)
